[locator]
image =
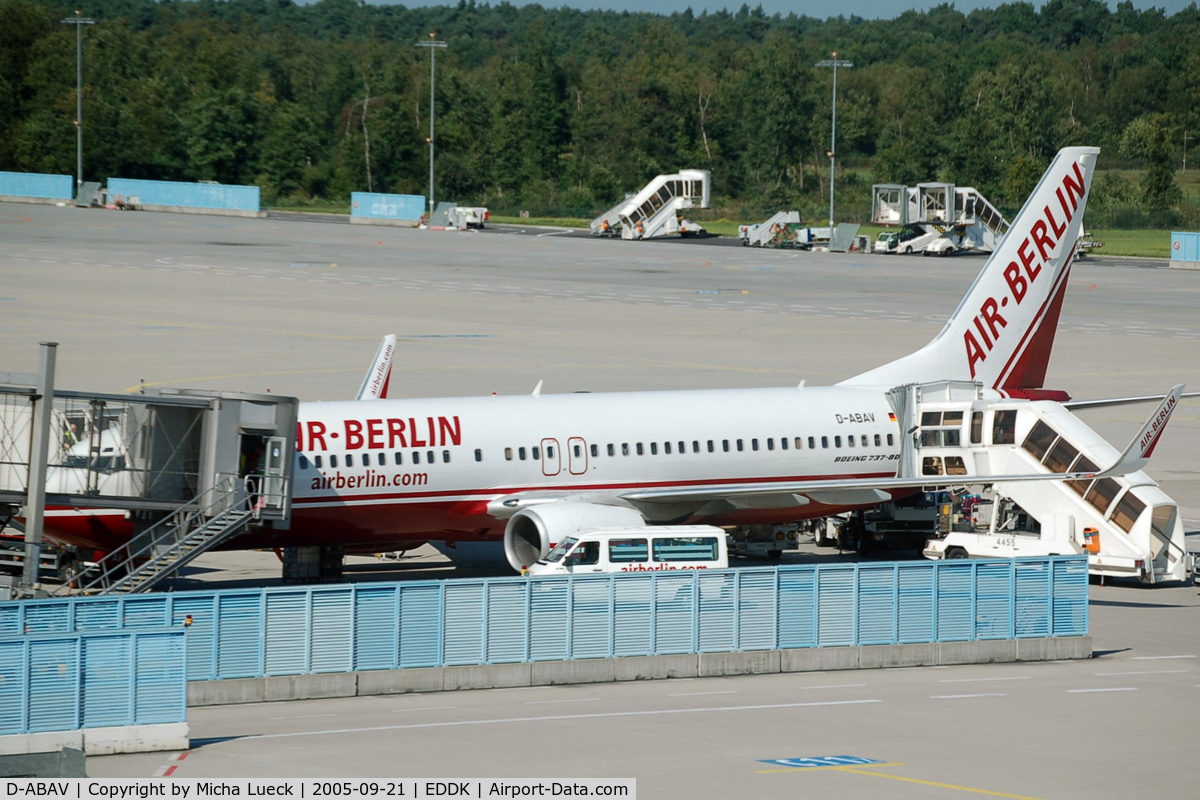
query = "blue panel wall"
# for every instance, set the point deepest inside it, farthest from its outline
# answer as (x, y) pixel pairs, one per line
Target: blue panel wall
(294, 631)
(187, 195)
(35, 184)
(387, 206)
(1185, 246)
(92, 679)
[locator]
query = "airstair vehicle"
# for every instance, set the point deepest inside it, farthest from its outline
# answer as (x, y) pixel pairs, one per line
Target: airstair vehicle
(1127, 525)
(191, 469)
(770, 233)
(611, 216)
(655, 210)
(937, 218)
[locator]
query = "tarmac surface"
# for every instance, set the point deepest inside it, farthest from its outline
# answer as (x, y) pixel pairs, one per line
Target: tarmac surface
(297, 307)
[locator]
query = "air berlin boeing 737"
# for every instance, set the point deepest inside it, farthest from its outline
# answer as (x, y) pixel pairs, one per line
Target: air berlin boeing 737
(377, 474)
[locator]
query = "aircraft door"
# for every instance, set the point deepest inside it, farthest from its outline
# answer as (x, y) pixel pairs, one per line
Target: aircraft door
(274, 471)
(551, 457)
(577, 455)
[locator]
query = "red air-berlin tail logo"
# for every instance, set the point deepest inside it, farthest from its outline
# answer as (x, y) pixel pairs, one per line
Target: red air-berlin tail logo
(1021, 275)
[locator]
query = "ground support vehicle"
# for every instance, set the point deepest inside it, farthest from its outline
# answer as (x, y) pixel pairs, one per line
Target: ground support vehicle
(762, 541)
(646, 549)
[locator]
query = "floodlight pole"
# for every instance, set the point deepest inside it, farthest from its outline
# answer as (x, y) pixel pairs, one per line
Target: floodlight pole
(835, 63)
(78, 22)
(433, 44)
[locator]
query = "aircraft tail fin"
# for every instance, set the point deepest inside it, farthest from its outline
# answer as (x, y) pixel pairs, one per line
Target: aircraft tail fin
(379, 376)
(1002, 332)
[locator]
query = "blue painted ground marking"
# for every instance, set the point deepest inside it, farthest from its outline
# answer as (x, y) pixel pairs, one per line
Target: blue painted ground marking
(820, 761)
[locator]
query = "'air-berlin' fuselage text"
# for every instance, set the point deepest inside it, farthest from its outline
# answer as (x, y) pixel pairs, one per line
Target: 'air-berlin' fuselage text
(383, 433)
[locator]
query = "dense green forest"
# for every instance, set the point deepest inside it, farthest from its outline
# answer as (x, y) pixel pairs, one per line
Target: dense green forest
(560, 111)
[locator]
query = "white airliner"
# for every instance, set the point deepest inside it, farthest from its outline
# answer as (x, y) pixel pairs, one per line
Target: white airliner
(378, 474)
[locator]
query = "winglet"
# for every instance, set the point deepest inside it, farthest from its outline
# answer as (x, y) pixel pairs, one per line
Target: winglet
(1142, 447)
(375, 384)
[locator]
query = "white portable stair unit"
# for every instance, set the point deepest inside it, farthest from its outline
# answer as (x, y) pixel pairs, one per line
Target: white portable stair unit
(770, 232)
(969, 435)
(656, 207)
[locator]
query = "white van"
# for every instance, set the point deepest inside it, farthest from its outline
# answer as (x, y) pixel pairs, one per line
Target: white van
(667, 547)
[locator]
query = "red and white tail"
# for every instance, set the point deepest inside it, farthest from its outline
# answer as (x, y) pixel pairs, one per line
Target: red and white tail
(1002, 332)
(375, 385)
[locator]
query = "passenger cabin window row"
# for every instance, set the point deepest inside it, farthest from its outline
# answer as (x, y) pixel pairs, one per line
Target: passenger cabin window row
(682, 447)
(349, 460)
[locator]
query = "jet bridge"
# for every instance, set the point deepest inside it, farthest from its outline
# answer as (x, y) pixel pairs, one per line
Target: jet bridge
(153, 479)
(959, 434)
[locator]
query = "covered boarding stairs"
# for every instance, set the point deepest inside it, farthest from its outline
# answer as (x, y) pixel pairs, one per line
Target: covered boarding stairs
(190, 469)
(961, 434)
(943, 207)
(654, 210)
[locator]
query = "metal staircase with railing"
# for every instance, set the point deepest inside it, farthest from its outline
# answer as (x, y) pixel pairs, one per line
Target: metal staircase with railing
(160, 550)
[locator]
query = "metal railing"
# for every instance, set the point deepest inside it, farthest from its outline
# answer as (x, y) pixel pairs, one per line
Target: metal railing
(303, 630)
(176, 538)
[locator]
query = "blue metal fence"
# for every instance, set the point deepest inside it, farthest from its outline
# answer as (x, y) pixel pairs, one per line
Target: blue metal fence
(70, 680)
(387, 206)
(225, 197)
(35, 184)
(1185, 246)
(295, 631)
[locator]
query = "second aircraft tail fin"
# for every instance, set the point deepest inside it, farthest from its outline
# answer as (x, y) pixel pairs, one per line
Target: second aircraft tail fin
(379, 376)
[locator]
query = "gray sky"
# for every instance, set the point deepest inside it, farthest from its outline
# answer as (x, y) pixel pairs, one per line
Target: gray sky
(871, 9)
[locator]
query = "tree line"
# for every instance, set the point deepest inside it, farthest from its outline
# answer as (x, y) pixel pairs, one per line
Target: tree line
(562, 111)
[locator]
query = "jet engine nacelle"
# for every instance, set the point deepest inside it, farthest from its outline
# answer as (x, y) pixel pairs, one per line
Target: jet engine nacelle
(531, 531)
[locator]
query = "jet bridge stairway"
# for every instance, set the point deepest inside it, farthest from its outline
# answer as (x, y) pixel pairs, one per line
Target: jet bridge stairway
(159, 551)
(963, 435)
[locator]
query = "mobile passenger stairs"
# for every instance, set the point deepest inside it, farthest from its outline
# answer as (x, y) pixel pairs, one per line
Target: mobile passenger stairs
(936, 218)
(962, 435)
(654, 211)
(154, 479)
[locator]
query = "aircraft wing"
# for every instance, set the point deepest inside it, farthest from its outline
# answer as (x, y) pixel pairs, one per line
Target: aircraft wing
(1133, 459)
(1075, 405)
